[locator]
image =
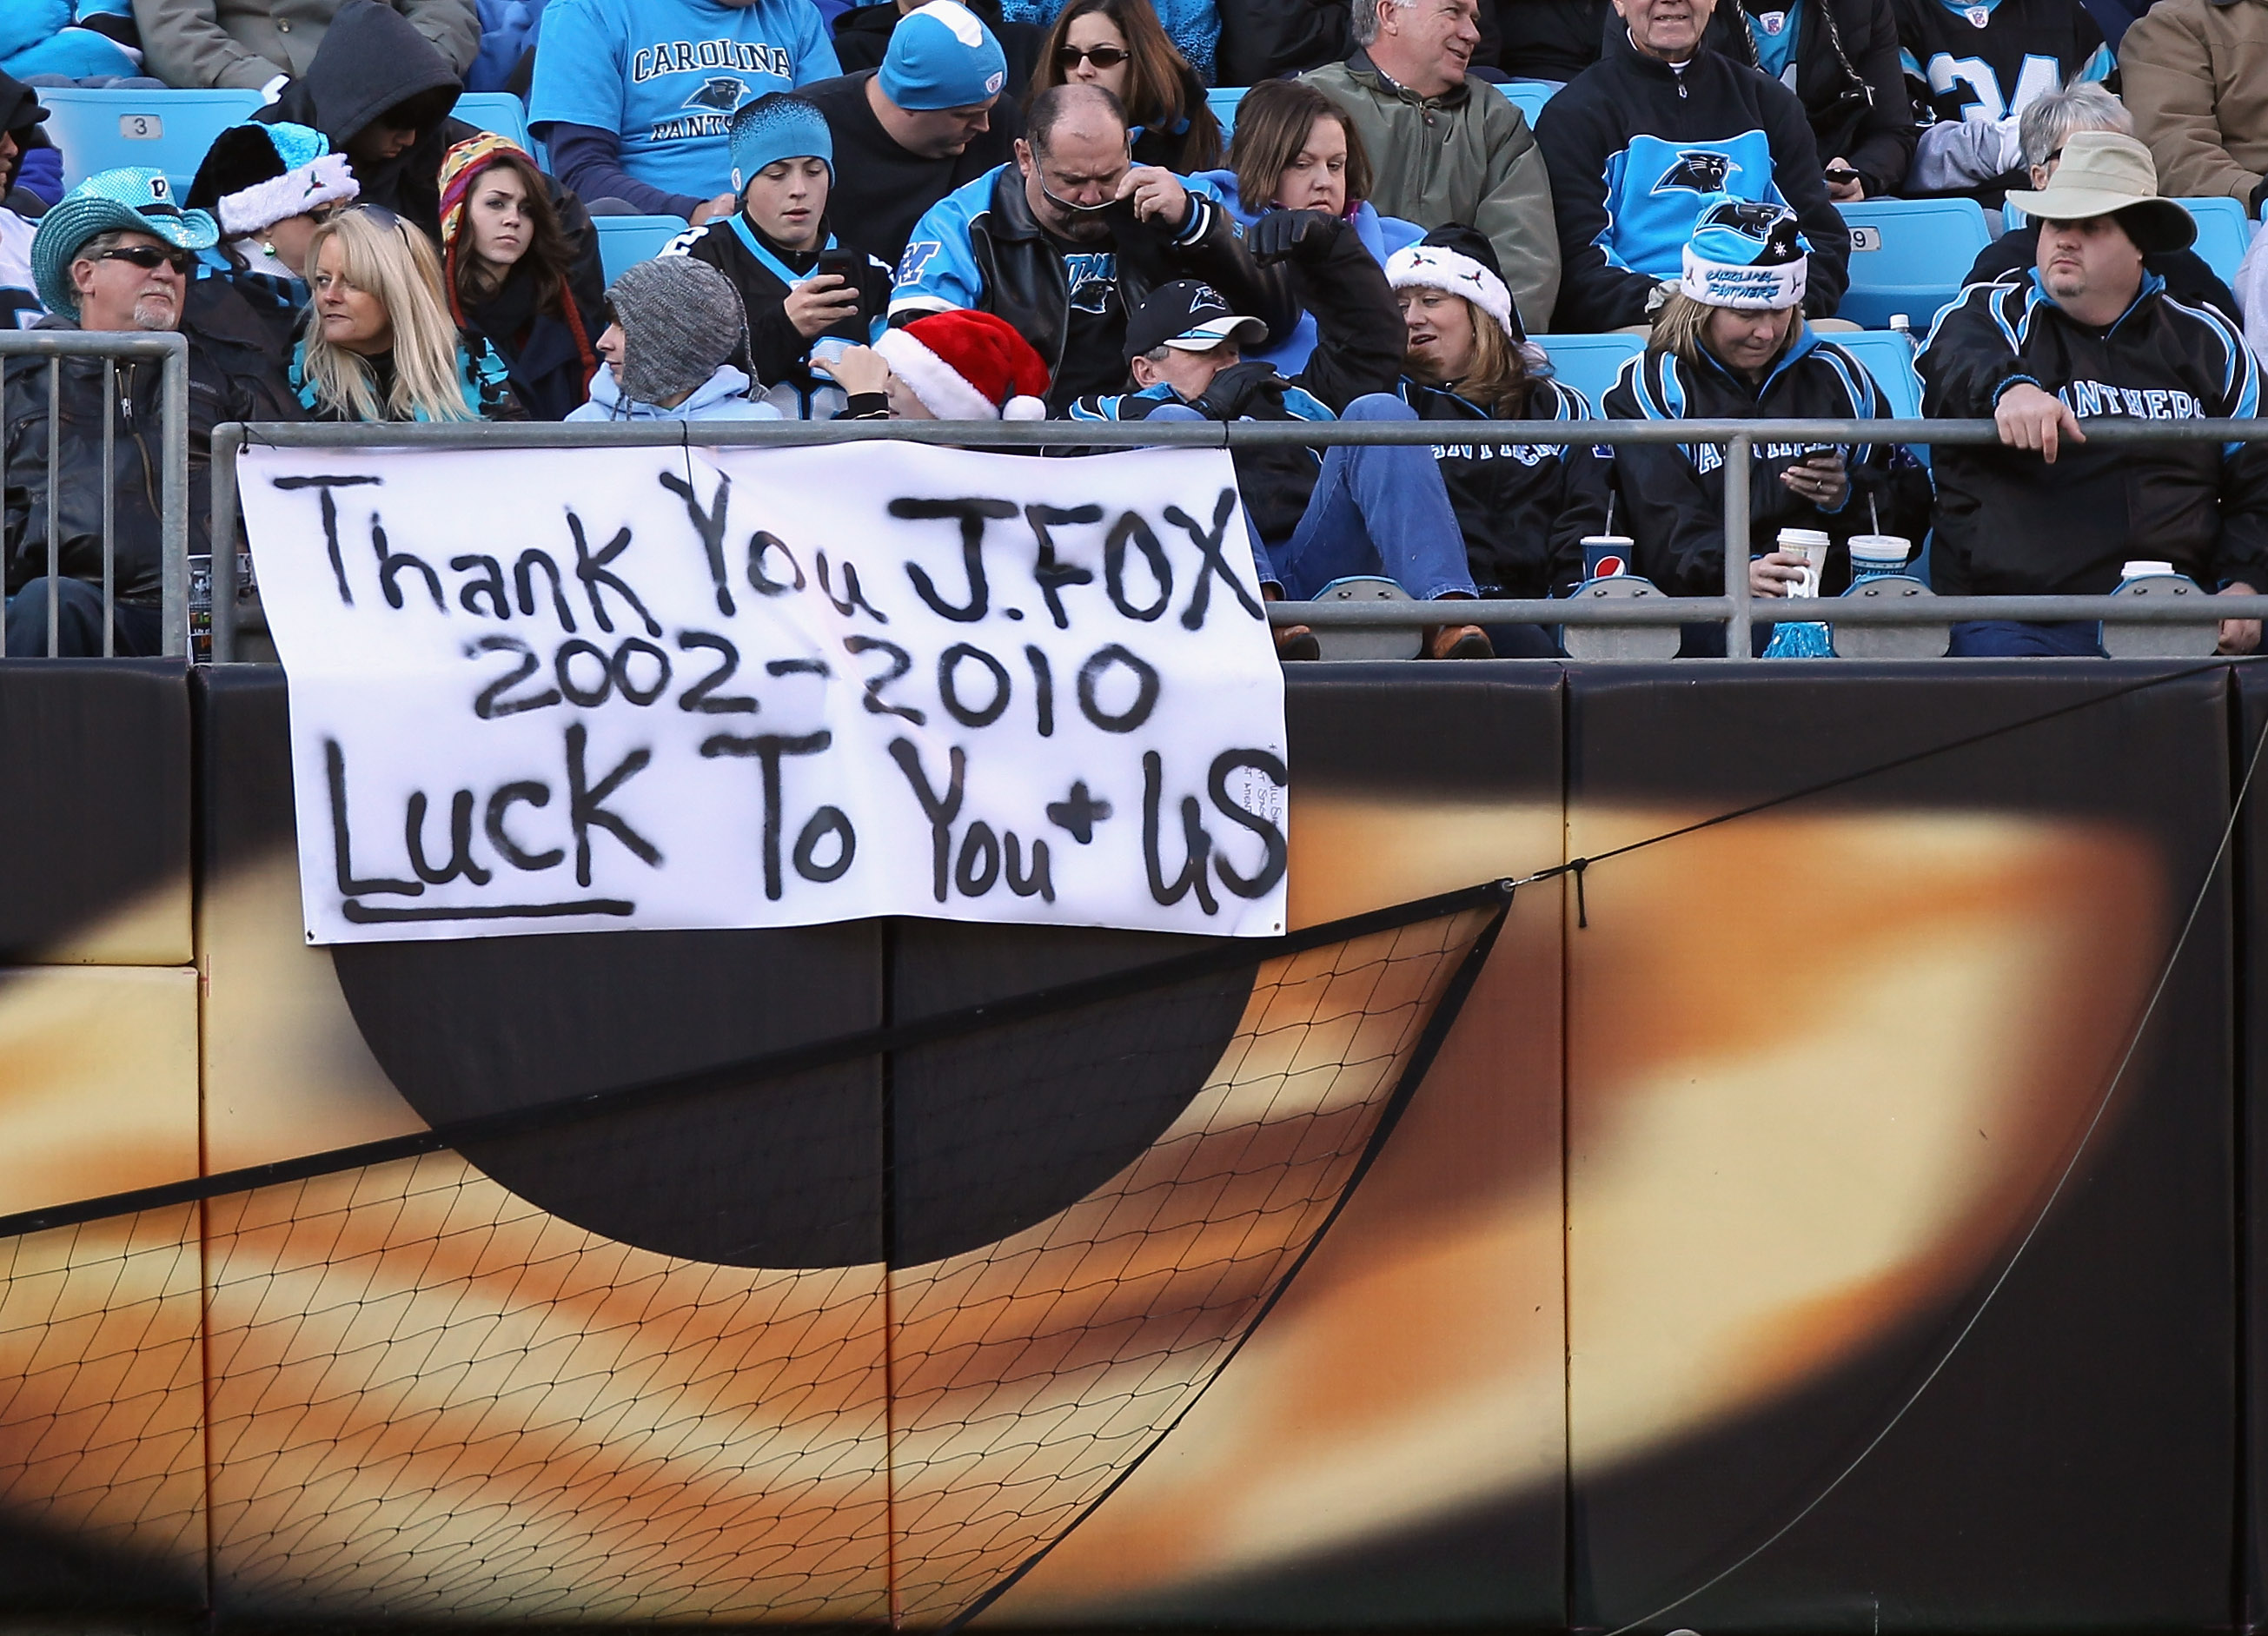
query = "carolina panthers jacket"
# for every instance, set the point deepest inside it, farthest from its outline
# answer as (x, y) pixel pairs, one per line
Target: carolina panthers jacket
(1524, 507)
(2009, 523)
(981, 247)
(1633, 144)
(1672, 496)
(1359, 349)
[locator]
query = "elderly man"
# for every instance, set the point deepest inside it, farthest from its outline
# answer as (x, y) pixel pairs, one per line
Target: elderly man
(1443, 148)
(1648, 134)
(935, 115)
(116, 256)
(2091, 334)
(1067, 240)
(2195, 72)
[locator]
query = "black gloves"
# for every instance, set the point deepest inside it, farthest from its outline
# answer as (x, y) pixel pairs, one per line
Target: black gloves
(1231, 395)
(1293, 235)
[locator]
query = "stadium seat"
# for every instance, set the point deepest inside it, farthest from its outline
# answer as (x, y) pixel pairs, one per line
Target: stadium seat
(626, 240)
(1889, 358)
(1590, 362)
(2224, 233)
(1909, 256)
(1223, 100)
(1527, 96)
(164, 130)
(498, 111)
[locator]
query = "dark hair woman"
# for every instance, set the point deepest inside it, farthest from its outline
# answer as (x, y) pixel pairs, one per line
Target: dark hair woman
(1120, 46)
(521, 264)
(1296, 150)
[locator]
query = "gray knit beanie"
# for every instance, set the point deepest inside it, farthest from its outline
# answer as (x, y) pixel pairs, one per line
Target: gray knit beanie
(680, 320)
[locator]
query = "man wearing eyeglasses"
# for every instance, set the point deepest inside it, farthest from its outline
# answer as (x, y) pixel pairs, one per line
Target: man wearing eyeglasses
(1067, 240)
(116, 256)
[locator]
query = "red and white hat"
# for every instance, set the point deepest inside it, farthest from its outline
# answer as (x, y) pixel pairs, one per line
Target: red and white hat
(966, 366)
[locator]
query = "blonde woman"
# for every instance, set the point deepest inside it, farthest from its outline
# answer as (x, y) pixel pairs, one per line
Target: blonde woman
(379, 344)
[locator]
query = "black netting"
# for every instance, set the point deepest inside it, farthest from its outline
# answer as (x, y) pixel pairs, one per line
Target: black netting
(401, 1390)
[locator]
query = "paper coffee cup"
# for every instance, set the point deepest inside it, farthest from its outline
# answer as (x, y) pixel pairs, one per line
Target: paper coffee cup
(1874, 554)
(1606, 555)
(2143, 570)
(1810, 544)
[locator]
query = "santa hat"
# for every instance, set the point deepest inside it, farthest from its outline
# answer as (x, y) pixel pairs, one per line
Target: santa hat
(966, 366)
(1462, 262)
(254, 176)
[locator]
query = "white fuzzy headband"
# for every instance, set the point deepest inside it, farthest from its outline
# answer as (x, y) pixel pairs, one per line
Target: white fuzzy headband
(327, 181)
(1430, 267)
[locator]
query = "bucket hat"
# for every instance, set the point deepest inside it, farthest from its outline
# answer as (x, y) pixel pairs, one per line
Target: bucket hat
(135, 199)
(2105, 174)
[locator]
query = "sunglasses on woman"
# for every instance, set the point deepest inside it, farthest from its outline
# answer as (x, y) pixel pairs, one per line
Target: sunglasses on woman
(1069, 57)
(149, 255)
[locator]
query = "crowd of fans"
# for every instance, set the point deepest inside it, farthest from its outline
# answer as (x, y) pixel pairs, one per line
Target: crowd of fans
(972, 208)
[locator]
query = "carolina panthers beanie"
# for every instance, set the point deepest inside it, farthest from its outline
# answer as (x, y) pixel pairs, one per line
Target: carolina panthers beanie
(942, 56)
(1745, 253)
(777, 126)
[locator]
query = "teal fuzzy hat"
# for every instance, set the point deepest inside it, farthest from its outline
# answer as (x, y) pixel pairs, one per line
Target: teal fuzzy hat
(135, 199)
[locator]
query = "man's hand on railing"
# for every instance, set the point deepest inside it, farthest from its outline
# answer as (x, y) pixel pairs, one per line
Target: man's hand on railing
(1772, 575)
(2238, 636)
(2029, 418)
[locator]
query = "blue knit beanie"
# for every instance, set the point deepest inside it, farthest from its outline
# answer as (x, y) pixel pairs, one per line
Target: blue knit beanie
(778, 125)
(943, 56)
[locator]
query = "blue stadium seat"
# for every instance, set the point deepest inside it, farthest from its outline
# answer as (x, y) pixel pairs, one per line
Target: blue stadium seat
(626, 240)
(1223, 100)
(2224, 233)
(1590, 362)
(1527, 96)
(1909, 256)
(1889, 358)
(165, 130)
(498, 111)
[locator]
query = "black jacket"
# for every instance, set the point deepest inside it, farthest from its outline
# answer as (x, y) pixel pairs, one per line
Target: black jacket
(232, 376)
(1359, 345)
(373, 59)
(778, 355)
(2189, 277)
(1631, 144)
(2007, 522)
(1270, 38)
(1551, 39)
(1672, 496)
(1524, 508)
(1847, 78)
(549, 374)
(981, 247)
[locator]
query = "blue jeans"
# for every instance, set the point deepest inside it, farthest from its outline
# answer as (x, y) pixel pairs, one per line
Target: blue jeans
(1378, 510)
(138, 632)
(2010, 639)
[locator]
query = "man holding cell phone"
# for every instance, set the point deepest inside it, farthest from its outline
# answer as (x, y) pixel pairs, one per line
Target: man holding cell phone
(807, 293)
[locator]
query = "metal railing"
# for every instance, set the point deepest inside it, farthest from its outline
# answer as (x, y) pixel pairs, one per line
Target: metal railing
(49, 348)
(1735, 609)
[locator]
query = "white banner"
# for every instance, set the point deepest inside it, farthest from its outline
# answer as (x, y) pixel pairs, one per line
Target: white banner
(566, 690)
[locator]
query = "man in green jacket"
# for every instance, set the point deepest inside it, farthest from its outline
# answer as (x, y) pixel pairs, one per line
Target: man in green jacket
(1443, 148)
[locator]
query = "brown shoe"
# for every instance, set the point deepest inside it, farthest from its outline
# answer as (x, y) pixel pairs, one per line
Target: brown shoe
(1458, 641)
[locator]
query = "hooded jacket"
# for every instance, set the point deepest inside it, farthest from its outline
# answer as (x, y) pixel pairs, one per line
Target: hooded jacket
(779, 355)
(723, 396)
(246, 43)
(1359, 351)
(2008, 523)
(2194, 73)
(1525, 508)
(232, 376)
(1466, 156)
(373, 60)
(981, 247)
(1855, 97)
(1634, 145)
(1672, 496)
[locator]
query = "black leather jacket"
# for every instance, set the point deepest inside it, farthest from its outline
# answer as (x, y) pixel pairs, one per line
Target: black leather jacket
(1019, 273)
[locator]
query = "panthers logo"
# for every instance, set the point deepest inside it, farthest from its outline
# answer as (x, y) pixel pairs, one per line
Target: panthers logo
(1697, 170)
(721, 94)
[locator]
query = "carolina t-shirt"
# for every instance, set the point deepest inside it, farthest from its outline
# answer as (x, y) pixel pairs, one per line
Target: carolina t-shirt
(666, 76)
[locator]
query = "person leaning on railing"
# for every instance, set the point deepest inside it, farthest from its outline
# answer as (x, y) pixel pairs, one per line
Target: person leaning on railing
(1732, 345)
(116, 256)
(2091, 334)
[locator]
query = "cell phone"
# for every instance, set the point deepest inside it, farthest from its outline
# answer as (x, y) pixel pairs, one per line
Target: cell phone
(1839, 174)
(842, 264)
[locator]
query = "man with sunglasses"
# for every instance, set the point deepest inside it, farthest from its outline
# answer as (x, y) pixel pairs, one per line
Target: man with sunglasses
(1067, 240)
(116, 256)
(938, 113)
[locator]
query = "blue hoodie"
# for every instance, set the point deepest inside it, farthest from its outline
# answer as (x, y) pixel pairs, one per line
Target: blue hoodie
(1380, 235)
(723, 396)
